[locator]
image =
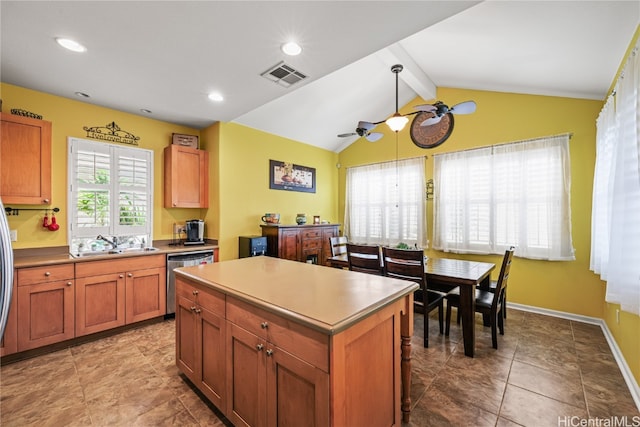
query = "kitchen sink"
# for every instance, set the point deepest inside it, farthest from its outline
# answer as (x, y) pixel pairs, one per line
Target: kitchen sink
(113, 252)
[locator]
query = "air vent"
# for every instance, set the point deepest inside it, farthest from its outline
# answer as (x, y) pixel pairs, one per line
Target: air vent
(283, 74)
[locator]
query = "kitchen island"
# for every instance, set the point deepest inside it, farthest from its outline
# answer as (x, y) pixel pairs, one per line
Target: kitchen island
(277, 342)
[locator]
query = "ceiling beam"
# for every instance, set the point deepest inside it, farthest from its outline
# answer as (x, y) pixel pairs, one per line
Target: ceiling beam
(411, 74)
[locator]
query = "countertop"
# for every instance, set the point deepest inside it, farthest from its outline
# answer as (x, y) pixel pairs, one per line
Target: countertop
(323, 298)
(60, 254)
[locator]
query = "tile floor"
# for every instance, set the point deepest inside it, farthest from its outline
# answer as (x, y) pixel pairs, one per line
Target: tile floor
(545, 369)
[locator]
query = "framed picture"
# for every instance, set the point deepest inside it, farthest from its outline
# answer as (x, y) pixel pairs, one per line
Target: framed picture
(291, 177)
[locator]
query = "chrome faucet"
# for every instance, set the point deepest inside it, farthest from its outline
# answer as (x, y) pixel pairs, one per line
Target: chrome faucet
(113, 243)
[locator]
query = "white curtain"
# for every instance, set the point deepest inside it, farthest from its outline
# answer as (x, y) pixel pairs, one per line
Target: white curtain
(385, 203)
(615, 216)
(516, 194)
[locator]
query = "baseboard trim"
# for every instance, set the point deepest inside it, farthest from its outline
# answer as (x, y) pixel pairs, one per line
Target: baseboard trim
(632, 384)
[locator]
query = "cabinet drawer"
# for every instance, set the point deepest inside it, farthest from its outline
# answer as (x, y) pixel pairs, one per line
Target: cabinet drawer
(51, 273)
(311, 234)
(311, 244)
(207, 298)
(303, 342)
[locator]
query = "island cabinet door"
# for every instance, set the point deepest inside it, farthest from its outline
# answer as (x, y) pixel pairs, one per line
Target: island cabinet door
(187, 356)
(246, 378)
(297, 392)
(211, 340)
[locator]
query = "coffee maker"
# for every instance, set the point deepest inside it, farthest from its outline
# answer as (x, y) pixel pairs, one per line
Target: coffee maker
(195, 232)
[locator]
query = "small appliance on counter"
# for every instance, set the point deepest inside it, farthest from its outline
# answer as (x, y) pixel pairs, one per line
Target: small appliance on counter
(249, 246)
(194, 228)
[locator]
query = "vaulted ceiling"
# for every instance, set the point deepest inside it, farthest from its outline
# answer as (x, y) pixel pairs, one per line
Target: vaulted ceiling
(166, 56)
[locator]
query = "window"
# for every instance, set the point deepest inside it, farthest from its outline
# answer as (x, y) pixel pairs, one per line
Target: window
(615, 218)
(110, 194)
(518, 194)
(385, 203)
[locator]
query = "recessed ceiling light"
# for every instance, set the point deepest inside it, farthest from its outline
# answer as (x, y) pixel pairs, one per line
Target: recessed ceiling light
(214, 96)
(291, 48)
(71, 45)
(83, 95)
(144, 110)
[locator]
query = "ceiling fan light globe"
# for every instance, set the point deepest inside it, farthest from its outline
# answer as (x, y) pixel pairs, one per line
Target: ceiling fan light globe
(396, 122)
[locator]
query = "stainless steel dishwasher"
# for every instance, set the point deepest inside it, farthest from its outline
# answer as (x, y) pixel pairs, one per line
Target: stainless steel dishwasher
(183, 259)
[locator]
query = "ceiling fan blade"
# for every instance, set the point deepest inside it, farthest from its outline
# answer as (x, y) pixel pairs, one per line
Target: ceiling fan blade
(425, 107)
(366, 125)
(373, 137)
(466, 107)
(344, 135)
(431, 121)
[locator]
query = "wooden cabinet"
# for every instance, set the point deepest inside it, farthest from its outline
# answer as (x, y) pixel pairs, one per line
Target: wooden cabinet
(25, 160)
(111, 293)
(304, 243)
(45, 305)
(186, 177)
(277, 372)
(200, 339)
(9, 341)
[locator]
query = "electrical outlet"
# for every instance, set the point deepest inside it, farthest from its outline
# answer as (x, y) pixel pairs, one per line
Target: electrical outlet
(14, 235)
(617, 315)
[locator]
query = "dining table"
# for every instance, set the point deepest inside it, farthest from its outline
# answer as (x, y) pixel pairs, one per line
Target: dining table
(444, 274)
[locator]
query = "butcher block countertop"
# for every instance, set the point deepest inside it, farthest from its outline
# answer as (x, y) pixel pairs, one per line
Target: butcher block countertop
(323, 298)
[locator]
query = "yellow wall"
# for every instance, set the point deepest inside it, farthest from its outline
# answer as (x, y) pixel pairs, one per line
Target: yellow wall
(502, 117)
(243, 174)
(68, 117)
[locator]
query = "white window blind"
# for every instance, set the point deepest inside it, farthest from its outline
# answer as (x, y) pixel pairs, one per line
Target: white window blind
(111, 190)
(385, 203)
(516, 194)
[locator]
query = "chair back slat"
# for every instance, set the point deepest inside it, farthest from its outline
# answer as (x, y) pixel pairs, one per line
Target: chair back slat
(364, 258)
(338, 245)
(503, 278)
(404, 264)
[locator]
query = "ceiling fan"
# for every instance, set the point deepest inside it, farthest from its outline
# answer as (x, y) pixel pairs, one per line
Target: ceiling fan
(439, 109)
(396, 122)
(364, 129)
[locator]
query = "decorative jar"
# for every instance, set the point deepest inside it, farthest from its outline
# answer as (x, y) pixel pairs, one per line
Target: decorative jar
(301, 219)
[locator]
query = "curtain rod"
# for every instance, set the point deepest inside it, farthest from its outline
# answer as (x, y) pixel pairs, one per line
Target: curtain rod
(569, 134)
(389, 161)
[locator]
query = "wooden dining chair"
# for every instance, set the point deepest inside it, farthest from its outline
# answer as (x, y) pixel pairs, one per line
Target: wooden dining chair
(494, 284)
(487, 302)
(364, 258)
(338, 245)
(410, 265)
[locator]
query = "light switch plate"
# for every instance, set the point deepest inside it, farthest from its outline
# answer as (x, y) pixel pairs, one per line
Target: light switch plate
(14, 235)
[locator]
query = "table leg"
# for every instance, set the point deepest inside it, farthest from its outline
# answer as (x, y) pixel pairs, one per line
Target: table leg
(468, 309)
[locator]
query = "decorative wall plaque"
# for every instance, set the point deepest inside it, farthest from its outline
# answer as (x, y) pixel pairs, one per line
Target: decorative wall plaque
(112, 133)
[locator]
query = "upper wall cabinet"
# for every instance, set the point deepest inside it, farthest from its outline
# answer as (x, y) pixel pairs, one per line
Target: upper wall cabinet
(186, 177)
(25, 160)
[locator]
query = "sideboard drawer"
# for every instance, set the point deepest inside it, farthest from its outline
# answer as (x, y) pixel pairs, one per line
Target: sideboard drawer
(311, 234)
(311, 244)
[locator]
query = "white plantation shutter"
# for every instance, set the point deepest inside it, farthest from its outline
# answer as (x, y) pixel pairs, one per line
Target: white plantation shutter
(385, 203)
(516, 194)
(111, 189)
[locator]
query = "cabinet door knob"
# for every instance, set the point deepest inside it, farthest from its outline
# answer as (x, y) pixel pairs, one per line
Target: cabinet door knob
(121, 276)
(259, 347)
(264, 325)
(198, 310)
(47, 274)
(269, 352)
(193, 308)
(130, 275)
(195, 292)
(175, 204)
(69, 283)
(46, 200)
